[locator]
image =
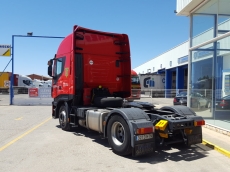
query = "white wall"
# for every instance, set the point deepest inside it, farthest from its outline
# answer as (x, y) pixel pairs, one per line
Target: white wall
(164, 59)
(182, 50)
(184, 7)
(181, 4)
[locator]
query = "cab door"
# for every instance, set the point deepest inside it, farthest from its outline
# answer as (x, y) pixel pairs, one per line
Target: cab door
(58, 78)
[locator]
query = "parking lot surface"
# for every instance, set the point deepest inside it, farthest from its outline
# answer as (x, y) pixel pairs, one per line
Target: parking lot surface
(32, 141)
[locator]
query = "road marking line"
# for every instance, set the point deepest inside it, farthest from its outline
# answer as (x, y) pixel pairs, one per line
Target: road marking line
(18, 118)
(13, 141)
(217, 148)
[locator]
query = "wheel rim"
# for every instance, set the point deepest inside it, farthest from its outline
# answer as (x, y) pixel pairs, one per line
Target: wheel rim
(118, 133)
(63, 118)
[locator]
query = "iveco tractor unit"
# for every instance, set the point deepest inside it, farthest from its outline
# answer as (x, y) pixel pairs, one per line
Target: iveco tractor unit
(90, 82)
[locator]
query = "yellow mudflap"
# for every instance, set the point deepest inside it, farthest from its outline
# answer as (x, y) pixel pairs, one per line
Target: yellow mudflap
(161, 125)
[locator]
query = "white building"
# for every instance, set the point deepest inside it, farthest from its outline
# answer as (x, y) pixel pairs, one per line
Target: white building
(206, 55)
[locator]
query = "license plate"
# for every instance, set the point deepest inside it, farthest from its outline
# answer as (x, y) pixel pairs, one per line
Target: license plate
(144, 149)
(144, 137)
(194, 139)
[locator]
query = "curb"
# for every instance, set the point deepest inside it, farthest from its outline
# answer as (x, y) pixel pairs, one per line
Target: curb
(217, 148)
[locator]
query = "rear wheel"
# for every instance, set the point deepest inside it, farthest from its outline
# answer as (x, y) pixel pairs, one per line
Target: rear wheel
(64, 118)
(119, 136)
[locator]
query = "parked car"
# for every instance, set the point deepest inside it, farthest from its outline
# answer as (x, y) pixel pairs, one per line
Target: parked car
(197, 100)
(223, 103)
(180, 99)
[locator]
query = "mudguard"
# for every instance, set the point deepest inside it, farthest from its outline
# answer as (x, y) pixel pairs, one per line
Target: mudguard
(135, 118)
(137, 104)
(180, 110)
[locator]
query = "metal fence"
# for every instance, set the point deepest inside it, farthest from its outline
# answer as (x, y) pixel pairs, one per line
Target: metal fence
(42, 96)
(27, 96)
(161, 93)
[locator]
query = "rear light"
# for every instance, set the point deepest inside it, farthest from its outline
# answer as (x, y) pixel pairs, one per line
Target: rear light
(174, 100)
(199, 123)
(144, 130)
(223, 103)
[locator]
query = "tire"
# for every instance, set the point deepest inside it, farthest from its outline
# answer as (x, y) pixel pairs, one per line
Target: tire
(119, 136)
(63, 119)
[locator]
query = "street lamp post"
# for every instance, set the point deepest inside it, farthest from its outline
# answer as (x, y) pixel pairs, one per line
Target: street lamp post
(29, 34)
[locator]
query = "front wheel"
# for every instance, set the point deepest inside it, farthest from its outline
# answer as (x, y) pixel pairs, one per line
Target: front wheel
(119, 136)
(64, 119)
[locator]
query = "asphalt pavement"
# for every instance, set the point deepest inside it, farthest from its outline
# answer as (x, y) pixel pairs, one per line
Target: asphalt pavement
(31, 141)
(213, 137)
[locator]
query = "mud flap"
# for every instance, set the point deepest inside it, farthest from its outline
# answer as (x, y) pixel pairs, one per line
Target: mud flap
(194, 139)
(142, 149)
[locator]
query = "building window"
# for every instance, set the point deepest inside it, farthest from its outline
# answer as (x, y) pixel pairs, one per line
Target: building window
(182, 59)
(170, 63)
(161, 66)
(148, 70)
(153, 69)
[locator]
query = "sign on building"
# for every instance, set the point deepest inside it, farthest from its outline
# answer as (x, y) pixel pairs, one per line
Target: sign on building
(5, 50)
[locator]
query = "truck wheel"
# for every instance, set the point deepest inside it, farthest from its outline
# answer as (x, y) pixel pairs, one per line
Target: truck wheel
(63, 119)
(119, 136)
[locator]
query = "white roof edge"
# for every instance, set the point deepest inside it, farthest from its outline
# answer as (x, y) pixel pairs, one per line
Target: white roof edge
(163, 53)
(191, 6)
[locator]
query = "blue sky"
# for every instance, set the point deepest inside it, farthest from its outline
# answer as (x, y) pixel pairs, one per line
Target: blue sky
(152, 26)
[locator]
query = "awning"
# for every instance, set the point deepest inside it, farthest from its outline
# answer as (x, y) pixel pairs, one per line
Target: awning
(160, 71)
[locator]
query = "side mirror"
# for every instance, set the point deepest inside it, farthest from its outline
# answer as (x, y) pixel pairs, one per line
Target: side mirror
(50, 63)
(50, 71)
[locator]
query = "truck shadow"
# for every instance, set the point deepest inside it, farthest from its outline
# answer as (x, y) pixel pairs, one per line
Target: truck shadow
(174, 153)
(95, 136)
(161, 154)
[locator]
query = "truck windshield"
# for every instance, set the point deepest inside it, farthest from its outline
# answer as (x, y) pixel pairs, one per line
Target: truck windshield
(27, 82)
(135, 80)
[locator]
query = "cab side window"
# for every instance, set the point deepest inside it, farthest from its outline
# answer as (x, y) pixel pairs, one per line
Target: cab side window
(58, 68)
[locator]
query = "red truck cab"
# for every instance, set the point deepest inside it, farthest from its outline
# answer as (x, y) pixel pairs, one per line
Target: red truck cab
(88, 59)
